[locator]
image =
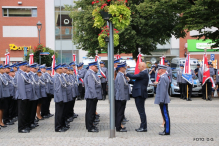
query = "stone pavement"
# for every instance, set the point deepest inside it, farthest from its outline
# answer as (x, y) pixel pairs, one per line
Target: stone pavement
(192, 123)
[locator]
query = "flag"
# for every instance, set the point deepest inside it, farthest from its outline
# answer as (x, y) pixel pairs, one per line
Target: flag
(206, 71)
(138, 61)
(31, 59)
(76, 68)
(53, 65)
(213, 84)
(100, 72)
(162, 59)
(7, 58)
(187, 71)
(118, 56)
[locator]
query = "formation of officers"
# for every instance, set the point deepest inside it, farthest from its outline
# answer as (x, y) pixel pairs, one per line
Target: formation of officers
(206, 94)
(27, 90)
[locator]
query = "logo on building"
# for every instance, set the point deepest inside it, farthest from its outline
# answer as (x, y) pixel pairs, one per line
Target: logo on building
(14, 47)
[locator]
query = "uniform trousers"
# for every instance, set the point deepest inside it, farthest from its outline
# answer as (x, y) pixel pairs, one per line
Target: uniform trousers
(45, 105)
(81, 90)
(13, 109)
(181, 89)
(140, 104)
(6, 113)
(119, 113)
(166, 117)
(32, 111)
(189, 88)
(184, 90)
(23, 109)
(103, 90)
(71, 108)
(59, 110)
(209, 89)
(91, 105)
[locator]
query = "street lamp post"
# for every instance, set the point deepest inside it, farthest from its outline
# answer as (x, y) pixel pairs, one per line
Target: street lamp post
(39, 26)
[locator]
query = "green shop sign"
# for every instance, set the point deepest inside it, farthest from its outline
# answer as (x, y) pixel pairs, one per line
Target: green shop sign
(200, 45)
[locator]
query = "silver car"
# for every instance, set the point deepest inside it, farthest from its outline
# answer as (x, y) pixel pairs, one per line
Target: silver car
(174, 88)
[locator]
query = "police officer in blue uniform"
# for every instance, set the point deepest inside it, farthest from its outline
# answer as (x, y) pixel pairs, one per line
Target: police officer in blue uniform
(81, 74)
(59, 91)
(92, 95)
(197, 69)
(104, 79)
(7, 94)
(23, 95)
(121, 96)
(169, 74)
(116, 62)
(162, 97)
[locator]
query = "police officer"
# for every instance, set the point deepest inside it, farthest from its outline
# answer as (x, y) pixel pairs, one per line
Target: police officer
(81, 74)
(104, 78)
(36, 94)
(179, 80)
(92, 95)
(152, 73)
(69, 92)
(162, 97)
(122, 95)
(197, 69)
(116, 62)
(212, 72)
(7, 94)
(23, 95)
(185, 84)
(50, 95)
(59, 98)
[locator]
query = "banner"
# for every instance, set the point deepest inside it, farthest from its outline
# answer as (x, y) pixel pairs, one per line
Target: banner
(205, 69)
(187, 70)
(31, 59)
(7, 58)
(162, 60)
(76, 68)
(100, 72)
(138, 61)
(53, 65)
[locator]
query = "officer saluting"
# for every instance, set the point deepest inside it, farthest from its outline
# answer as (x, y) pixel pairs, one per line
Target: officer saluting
(92, 95)
(104, 79)
(162, 97)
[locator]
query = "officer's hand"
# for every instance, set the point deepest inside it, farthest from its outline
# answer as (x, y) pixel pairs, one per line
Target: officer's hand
(156, 83)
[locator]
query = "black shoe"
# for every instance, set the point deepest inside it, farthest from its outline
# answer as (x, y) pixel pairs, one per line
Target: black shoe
(24, 131)
(125, 120)
(70, 120)
(36, 125)
(97, 120)
(93, 130)
(66, 128)
(29, 128)
(122, 130)
(98, 115)
(75, 116)
(163, 133)
(50, 115)
(141, 130)
(209, 98)
(189, 99)
(33, 126)
(36, 121)
(184, 98)
(123, 123)
(39, 119)
(3, 126)
(60, 130)
(9, 123)
(45, 116)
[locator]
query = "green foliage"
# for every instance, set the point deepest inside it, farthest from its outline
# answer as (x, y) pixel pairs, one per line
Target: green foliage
(144, 31)
(102, 42)
(45, 59)
(98, 20)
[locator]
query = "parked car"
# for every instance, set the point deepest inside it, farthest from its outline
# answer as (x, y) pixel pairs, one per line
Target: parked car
(150, 88)
(174, 88)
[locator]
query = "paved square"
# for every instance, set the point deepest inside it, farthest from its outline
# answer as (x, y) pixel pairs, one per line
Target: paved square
(191, 123)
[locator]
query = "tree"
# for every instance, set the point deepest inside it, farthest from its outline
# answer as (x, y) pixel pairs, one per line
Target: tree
(145, 31)
(194, 15)
(45, 59)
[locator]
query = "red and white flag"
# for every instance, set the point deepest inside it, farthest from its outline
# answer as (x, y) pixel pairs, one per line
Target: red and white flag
(162, 61)
(98, 62)
(31, 59)
(53, 65)
(137, 71)
(7, 58)
(205, 68)
(118, 56)
(96, 58)
(213, 84)
(76, 68)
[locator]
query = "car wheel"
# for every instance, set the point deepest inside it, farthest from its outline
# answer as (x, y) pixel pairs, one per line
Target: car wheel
(171, 92)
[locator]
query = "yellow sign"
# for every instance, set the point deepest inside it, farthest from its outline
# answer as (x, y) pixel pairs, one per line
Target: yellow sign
(14, 47)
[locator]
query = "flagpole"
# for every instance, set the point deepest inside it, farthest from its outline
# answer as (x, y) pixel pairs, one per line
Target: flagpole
(206, 89)
(187, 92)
